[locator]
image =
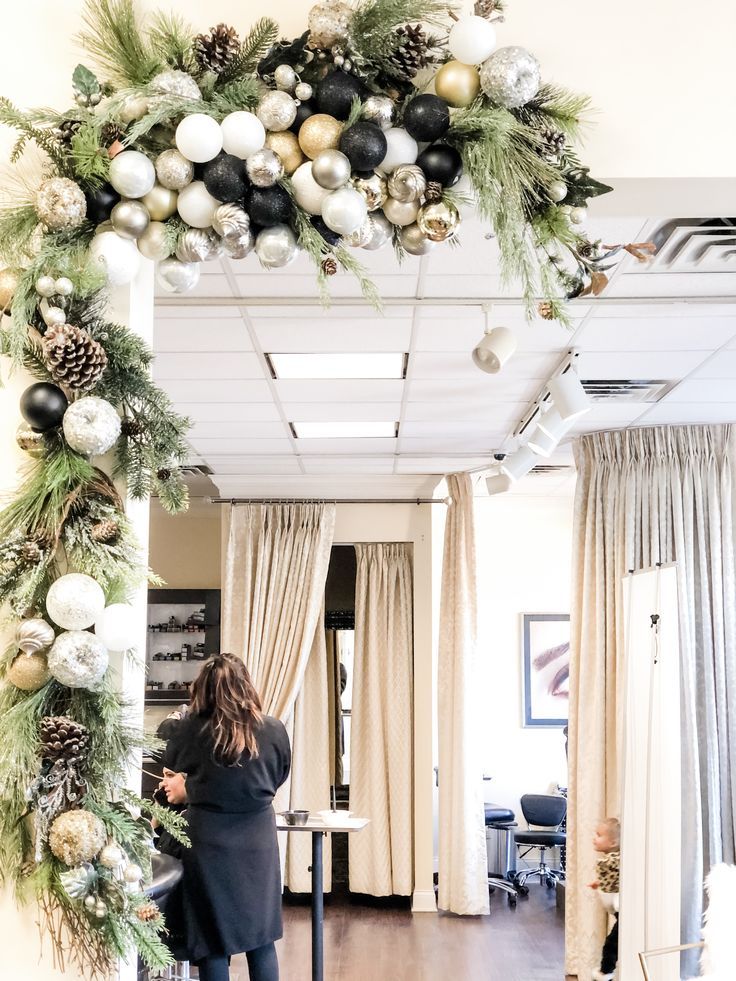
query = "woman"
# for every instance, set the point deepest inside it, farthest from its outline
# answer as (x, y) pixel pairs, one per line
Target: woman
(235, 759)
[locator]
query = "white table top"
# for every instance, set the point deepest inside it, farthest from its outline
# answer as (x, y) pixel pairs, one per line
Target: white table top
(315, 823)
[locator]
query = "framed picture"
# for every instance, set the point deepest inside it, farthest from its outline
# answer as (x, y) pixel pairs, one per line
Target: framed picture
(546, 659)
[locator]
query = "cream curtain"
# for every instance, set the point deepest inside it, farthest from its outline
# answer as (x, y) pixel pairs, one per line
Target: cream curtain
(381, 756)
(275, 570)
(646, 496)
(463, 866)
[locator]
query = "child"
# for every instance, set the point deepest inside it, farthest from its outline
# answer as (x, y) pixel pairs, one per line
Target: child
(607, 842)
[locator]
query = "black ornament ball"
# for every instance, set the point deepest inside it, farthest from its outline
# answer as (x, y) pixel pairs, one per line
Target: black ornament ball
(268, 206)
(335, 94)
(332, 238)
(364, 144)
(224, 177)
(441, 163)
(303, 111)
(43, 406)
(427, 118)
(100, 203)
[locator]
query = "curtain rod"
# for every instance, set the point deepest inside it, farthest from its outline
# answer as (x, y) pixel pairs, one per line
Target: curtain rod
(341, 500)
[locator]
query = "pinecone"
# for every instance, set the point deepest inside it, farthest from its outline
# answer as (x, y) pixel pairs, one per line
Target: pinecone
(69, 129)
(31, 551)
(131, 427)
(63, 739)
(329, 266)
(73, 358)
(546, 310)
(163, 474)
(433, 191)
(215, 51)
(148, 912)
(411, 54)
(553, 144)
(110, 133)
(485, 8)
(105, 532)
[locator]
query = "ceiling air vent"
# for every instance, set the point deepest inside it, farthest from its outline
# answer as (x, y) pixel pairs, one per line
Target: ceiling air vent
(626, 389)
(197, 470)
(546, 468)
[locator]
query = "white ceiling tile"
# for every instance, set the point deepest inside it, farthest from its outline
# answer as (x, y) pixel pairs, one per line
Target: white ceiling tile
(363, 390)
(235, 464)
(225, 365)
(500, 415)
(689, 413)
(665, 365)
(345, 447)
(354, 412)
(461, 333)
(666, 310)
(609, 415)
(338, 465)
(483, 389)
(647, 333)
(711, 390)
(234, 412)
(240, 444)
(217, 391)
(439, 464)
(211, 334)
(639, 283)
(233, 429)
(720, 365)
(216, 285)
(447, 444)
(453, 364)
(478, 425)
(316, 312)
(266, 284)
(347, 335)
(179, 310)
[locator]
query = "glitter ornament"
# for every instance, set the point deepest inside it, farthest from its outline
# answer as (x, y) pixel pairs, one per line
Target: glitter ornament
(335, 94)
(286, 145)
(364, 144)
(60, 204)
(329, 23)
(401, 212)
(277, 111)
(76, 837)
(242, 134)
(78, 659)
(224, 178)
(309, 195)
(196, 205)
(426, 117)
(91, 426)
(154, 242)
(407, 183)
(160, 202)
(229, 220)
(31, 441)
(414, 241)
(511, 77)
(268, 206)
(344, 210)
(303, 91)
(112, 856)
(9, 279)
(379, 109)
(332, 238)
(177, 277)
(318, 133)
(118, 257)
(130, 219)
(75, 601)
(198, 137)
(276, 247)
(264, 168)
(303, 111)
(173, 170)
(285, 78)
(373, 188)
(132, 873)
(133, 108)
(132, 174)
(175, 83)
(331, 169)
(196, 245)
(439, 220)
(46, 286)
(29, 672)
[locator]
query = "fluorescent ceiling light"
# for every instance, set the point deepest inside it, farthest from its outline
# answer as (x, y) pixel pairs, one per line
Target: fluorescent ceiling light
(354, 364)
(344, 430)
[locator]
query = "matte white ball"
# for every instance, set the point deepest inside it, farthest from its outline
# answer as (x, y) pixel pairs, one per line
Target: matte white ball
(344, 210)
(132, 174)
(176, 276)
(242, 134)
(198, 138)
(276, 247)
(75, 601)
(308, 193)
(116, 627)
(91, 426)
(401, 149)
(196, 205)
(117, 256)
(472, 39)
(132, 873)
(154, 242)
(78, 659)
(111, 856)
(64, 286)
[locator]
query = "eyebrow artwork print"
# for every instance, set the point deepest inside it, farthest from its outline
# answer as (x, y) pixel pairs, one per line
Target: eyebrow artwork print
(559, 681)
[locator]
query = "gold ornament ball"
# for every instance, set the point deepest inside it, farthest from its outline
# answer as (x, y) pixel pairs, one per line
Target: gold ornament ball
(8, 285)
(457, 84)
(30, 441)
(29, 672)
(76, 837)
(160, 202)
(439, 220)
(286, 145)
(319, 132)
(374, 189)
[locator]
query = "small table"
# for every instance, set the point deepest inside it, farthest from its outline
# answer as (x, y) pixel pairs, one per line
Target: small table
(318, 829)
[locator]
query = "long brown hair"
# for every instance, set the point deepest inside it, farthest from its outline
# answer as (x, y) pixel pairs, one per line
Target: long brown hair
(224, 693)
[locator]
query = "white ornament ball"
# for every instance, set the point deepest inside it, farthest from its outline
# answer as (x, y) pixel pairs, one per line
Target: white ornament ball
(132, 873)
(176, 276)
(276, 247)
(401, 212)
(46, 286)
(91, 426)
(303, 91)
(557, 191)
(401, 149)
(154, 242)
(578, 215)
(117, 256)
(134, 108)
(472, 39)
(132, 174)
(63, 286)
(242, 134)
(116, 627)
(285, 78)
(196, 206)
(344, 210)
(310, 196)
(111, 856)
(78, 659)
(198, 138)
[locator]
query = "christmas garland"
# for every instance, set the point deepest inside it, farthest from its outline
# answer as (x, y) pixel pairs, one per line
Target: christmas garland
(181, 148)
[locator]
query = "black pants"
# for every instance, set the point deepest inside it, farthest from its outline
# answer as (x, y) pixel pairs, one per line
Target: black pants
(609, 957)
(263, 965)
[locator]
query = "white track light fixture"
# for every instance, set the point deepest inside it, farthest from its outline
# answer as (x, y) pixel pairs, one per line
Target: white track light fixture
(497, 346)
(498, 483)
(569, 396)
(548, 432)
(517, 464)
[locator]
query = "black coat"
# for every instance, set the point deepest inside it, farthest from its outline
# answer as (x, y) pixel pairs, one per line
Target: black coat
(232, 874)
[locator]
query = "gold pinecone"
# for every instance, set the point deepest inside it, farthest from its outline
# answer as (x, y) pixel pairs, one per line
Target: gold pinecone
(214, 51)
(329, 266)
(105, 532)
(148, 912)
(546, 310)
(433, 192)
(73, 358)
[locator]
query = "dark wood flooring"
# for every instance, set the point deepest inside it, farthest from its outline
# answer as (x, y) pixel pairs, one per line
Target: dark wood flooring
(366, 943)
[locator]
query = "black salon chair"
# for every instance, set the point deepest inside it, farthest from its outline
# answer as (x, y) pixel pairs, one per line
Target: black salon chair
(543, 813)
(166, 873)
(503, 820)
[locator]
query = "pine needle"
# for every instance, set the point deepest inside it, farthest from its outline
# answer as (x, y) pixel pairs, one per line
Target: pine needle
(352, 265)
(258, 40)
(115, 42)
(373, 26)
(170, 38)
(554, 107)
(91, 160)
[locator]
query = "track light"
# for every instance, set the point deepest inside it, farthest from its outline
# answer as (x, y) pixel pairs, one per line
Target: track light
(517, 464)
(497, 346)
(569, 396)
(498, 483)
(548, 432)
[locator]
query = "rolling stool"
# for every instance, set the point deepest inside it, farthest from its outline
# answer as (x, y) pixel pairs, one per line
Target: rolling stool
(503, 820)
(166, 875)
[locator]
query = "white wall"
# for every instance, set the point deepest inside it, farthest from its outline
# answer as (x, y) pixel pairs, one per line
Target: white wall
(524, 551)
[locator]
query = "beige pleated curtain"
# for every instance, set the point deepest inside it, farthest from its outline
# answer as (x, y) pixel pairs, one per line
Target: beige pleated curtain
(463, 869)
(381, 858)
(646, 496)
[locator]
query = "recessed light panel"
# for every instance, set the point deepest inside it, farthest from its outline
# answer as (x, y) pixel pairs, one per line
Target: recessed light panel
(344, 430)
(364, 364)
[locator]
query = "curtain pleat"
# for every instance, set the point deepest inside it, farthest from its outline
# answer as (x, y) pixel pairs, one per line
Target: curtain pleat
(463, 865)
(646, 496)
(381, 858)
(334, 706)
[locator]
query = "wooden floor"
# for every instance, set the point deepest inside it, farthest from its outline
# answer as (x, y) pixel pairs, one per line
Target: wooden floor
(363, 943)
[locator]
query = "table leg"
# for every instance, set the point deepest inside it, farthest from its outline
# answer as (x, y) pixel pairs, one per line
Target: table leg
(318, 908)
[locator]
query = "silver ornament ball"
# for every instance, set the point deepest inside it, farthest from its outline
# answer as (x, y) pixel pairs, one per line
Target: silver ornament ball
(331, 169)
(91, 426)
(401, 212)
(285, 78)
(276, 247)
(173, 170)
(382, 232)
(197, 245)
(373, 188)
(277, 111)
(60, 204)
(33, 636)
(264, 168)
(329, 23)
(52, 316)
(132, 873)
(176, 83)
(414, 241)
(154, 242)
(130, 219)
(303, 91)
(438, 220)
(407, 183)
(176, 276)
(78, 659)
(379, 109)
(230, 219)
(238, 245)
(362, 236)
(578, 215)
(511, 77)
(46, 286)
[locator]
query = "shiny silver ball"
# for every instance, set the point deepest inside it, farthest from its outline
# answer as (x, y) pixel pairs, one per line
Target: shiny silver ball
(277, 111)
(173, 170)
(197, 245)
(407, 183)
(46, 286)
(331, 169)
(414, 241)
(176, 83)
(379, 109)
(63, 286)
(362, 236)
(130, 219)
(238, 245)
(60, 204)
(264, 168)
(339, 60)
(383, 232)
(373, 188)
(230, 220)
(285, 78)
(276, 247)
(52, 316)
(177, 277)
(303, 91)
(511, 77)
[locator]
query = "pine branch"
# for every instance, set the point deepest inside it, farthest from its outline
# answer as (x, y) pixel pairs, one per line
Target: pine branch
(116, 43)
(242, 93)
(259, 39)
(170, 39)
(367, 287)
(90, 160)
(165, 109)
(554, 107)
(172, 821)
(17, 225)
(30, 132)
(372, 33)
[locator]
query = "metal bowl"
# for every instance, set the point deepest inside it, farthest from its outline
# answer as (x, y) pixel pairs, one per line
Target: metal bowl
(295, 818)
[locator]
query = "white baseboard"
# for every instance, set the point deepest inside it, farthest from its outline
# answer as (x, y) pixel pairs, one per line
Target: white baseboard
(423, 901)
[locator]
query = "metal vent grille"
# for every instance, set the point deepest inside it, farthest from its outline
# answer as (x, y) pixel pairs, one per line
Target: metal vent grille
(695, 245)
(546, 468)
(197, 470)
(626, 389)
